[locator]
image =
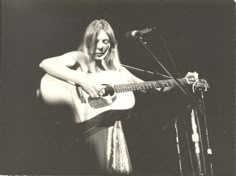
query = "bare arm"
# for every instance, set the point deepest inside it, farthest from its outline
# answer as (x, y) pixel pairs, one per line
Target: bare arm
(59, 67)
(132, 78)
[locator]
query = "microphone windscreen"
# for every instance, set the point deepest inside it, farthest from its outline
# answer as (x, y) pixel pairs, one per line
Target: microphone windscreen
(131, 34)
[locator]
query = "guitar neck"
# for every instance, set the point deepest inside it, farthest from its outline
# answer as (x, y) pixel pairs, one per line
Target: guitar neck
(148, 85)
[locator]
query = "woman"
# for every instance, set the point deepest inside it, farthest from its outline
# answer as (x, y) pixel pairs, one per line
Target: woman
(79, 76)
(97, 53)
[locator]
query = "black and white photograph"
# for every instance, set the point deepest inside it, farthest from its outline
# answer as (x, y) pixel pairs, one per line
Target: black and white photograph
(128, 87)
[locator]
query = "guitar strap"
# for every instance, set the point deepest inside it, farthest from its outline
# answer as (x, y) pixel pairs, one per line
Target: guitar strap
(105, 119)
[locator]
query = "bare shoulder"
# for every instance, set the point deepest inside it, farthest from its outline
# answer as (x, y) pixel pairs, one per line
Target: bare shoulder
(78, 56)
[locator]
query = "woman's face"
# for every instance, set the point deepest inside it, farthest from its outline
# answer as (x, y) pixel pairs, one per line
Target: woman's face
(102, 45)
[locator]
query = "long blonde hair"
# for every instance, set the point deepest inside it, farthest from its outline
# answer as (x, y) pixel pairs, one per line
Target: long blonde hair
(88, 44)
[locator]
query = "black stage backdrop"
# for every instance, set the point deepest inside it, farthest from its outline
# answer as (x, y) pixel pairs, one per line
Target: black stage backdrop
(36, 139)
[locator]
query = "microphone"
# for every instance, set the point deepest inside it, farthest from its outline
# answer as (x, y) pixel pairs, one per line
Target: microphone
(139, 33)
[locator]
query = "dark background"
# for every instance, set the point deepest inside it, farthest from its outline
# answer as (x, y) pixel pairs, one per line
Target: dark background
(36, 139)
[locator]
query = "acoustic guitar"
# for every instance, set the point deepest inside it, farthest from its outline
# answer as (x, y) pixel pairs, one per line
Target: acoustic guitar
(118, 93)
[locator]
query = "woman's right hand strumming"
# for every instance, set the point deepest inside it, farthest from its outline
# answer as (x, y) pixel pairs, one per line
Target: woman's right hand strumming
(94, 90)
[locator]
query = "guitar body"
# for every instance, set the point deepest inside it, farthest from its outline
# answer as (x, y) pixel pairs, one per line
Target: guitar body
(55, 91)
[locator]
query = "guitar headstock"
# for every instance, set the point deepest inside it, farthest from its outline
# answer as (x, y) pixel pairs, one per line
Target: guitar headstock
(197, 84)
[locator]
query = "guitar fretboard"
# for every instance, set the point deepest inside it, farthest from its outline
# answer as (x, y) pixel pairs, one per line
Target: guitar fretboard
(148, 85)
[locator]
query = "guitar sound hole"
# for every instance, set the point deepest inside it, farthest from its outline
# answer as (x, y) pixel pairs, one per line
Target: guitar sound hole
(108, 90)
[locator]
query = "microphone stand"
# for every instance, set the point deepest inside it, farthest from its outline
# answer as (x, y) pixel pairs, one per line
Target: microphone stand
(144, 44)
(200, 110)
(196, 136)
